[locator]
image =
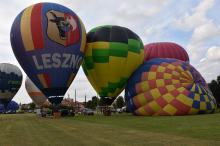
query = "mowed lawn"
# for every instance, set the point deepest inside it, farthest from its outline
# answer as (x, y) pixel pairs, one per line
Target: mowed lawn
(119, 129)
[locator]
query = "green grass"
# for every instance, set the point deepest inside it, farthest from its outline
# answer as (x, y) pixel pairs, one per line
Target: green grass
(125, 129)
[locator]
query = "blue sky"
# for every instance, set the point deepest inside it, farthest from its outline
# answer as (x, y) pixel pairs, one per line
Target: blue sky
(195, 25)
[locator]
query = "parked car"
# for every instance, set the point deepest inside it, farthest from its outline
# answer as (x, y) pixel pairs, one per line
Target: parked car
(119, 110)
(10, 112)
(124, 109)
(87, 111)
(64, 112)
(30, 111)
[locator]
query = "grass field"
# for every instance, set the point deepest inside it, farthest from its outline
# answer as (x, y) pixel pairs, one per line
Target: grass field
(125, 129)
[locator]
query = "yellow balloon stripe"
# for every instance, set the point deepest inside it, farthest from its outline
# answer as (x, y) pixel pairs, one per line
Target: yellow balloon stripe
(131, 64)
(42, 80)
(71, 77)
(193, 111)
(171, 110)
(83, 42)
(117, 68)
(88, 50)
(101, 74)
(185, 99)
(25, 28)
(100, 45)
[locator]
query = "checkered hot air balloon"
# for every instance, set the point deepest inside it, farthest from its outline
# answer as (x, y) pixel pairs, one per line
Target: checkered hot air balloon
(48, 41)
(165, 50)
(112, 54)
(168, 87)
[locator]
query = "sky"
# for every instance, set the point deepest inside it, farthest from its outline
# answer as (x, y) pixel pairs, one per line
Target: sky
(195, 25)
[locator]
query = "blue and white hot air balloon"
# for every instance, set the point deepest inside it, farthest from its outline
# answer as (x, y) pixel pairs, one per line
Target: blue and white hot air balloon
(10, 82)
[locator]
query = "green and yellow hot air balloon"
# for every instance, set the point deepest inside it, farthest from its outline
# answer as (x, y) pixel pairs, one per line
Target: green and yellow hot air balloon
(112, 54)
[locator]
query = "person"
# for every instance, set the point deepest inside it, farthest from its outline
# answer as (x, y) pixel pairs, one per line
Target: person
(38, 112)
(43, 113)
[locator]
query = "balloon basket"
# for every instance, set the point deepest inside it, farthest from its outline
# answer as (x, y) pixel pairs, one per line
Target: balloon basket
(56, 115)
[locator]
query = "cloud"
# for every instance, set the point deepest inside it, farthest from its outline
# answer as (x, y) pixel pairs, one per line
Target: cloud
(82, 86)
(209, 69)
(204, 32)
(143, 17)
(213, 54)
(202, 28)
(134, 9)
(22, 96)
(209, 65)
(197, 16)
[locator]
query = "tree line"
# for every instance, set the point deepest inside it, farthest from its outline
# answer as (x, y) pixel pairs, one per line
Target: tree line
(95, 101)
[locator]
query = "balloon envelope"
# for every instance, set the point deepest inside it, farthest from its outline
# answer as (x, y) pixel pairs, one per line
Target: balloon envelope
(165, 50)
(12, 106)
(10, 81)
(168, 87)
(48, 41)
(112, 54)
(36, 95)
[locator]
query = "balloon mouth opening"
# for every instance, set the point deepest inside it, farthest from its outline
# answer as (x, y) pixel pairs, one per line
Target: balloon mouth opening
(58, 96)
(54, 92)
(55, 100)
(108, 100)
(107, 97)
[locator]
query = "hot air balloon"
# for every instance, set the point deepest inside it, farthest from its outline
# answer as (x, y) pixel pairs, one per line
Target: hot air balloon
(10, 82)
(168, 87)
(36, 95)
(165, 50)
(11, 108)
(112, 54)
(48, 41)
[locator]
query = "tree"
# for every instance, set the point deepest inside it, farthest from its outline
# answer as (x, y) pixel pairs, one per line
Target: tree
(215, 88)
(101, 102)
(114, 104)
(120, 102)
(89, 104)
(32, 106)
(218, 79)
(93, 103)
